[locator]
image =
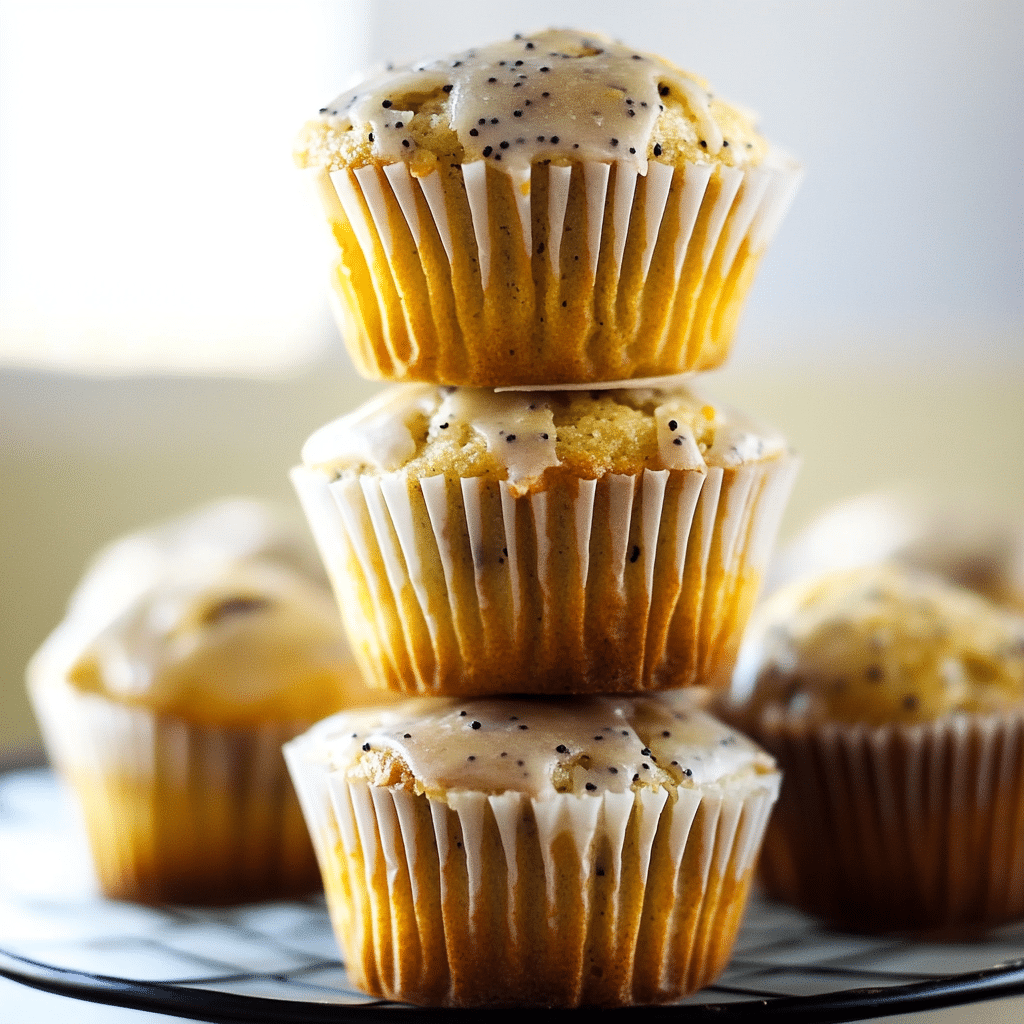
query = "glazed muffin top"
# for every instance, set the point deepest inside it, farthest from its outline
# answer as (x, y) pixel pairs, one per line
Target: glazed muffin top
(881, 644)
(556, 96)
(217, 534)
(223, 617)
(538, 746)
(527, 437)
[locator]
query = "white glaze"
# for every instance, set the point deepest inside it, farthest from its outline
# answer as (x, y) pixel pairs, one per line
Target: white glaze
(517, 427)
(481, 746)
(599, 99)
(227, 594)
(378, 436)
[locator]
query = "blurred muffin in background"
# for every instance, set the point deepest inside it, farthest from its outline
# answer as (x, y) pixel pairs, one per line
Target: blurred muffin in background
(964, 541)
(189, 653)
(894, 703)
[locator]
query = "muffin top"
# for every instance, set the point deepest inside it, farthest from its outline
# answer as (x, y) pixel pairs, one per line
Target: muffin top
(215, 535)
(557, 96)
(962, 540)
(882, 644)
(222, 617)
(538, 746)
(526, 437)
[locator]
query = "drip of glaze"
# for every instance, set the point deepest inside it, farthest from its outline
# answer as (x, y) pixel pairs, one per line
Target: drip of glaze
(542, 746)
(556, 94)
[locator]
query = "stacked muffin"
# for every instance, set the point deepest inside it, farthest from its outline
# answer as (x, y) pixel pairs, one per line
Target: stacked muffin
(532, 539)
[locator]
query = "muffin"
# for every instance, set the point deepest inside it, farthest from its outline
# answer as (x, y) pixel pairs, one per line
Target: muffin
(488, 543)
(894, 703)
(553, 209)
(963, 540)
(534, 851)
(188, 655)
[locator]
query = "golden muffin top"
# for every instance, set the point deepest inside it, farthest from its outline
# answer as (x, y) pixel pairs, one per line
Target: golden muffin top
(222, 617)
(558, 96)
(526, 436)
(881, 644)
(538, 746)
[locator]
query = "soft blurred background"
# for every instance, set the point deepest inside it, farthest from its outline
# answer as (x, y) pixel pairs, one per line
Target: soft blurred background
(164, 336)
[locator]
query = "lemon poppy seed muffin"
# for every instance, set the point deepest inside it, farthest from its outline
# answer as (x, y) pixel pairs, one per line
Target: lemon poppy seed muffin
(534, 852)
(188, 655)
(579, 541)
(555, 208)
(894, 702)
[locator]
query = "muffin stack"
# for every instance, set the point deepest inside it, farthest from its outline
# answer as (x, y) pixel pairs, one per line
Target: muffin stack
(532, 538)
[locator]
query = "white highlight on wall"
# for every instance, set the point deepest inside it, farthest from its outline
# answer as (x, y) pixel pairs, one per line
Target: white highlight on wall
(152, 219)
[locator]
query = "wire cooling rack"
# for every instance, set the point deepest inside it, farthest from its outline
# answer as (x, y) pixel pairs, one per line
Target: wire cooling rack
(279, 962)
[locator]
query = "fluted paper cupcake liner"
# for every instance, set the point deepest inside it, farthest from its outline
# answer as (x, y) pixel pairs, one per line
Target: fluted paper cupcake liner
(620, 584)
(900, 828)
(178, 813)
(583, 272)
(610, 900)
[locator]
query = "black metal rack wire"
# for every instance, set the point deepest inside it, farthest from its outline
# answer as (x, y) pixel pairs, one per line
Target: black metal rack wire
(278, 961)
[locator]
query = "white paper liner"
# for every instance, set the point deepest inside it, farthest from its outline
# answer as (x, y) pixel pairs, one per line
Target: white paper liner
(623, 583)
(900, 828)
(636, 896)
(770, 190)
(176, 812)
(379, 204)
